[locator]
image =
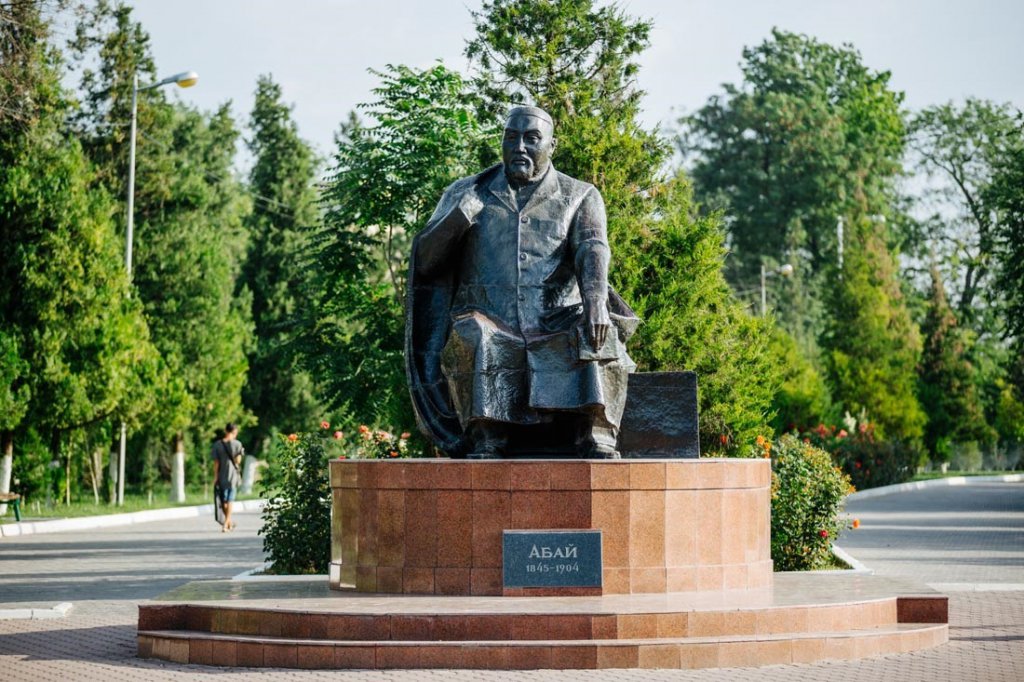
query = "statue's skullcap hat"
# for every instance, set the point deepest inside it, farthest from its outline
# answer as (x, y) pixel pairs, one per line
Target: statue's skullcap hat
(524, 110)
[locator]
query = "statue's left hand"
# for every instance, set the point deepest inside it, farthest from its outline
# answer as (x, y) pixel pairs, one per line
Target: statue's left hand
(597, 324)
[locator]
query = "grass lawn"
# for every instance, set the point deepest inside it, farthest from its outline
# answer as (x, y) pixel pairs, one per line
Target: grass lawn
(134, 500)
(931, 475)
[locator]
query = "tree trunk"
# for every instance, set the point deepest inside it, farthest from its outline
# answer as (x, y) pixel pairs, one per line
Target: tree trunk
(112, 471)
(6, 465)
(95, 461)
(248, 474)
(178, 469)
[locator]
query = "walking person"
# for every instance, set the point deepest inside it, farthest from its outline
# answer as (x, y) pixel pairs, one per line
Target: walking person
(227, 455)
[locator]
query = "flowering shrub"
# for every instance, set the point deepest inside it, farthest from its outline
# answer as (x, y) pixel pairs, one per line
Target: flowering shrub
(297, 518)
(379, 444)
(807, 497)
(867, 461)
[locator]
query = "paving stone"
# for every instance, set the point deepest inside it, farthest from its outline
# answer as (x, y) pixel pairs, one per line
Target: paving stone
(107, 572)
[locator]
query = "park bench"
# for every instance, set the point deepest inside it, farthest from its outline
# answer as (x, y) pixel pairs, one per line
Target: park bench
(13, 499)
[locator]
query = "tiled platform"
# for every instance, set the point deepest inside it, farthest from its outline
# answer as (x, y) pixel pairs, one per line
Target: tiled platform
(434, 526)
(803, 618)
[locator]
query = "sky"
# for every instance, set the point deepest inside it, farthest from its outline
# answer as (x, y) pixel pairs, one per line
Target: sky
(321, 51)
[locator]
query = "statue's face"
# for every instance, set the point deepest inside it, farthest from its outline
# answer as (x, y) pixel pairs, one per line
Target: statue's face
(527, 146)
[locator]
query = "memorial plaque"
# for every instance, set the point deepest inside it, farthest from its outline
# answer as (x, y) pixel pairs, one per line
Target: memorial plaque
(551, 558)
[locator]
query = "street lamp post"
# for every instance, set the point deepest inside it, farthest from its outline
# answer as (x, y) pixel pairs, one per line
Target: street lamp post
(185, 79)
(784, 270)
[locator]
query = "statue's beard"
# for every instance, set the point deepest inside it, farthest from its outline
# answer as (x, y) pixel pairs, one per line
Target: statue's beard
(522, 173)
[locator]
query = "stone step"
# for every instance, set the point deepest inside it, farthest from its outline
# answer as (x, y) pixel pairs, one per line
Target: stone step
(519, 625)
(205, 648)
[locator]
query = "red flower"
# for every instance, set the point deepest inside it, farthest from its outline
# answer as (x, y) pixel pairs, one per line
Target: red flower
(325, 425)
(823, 533)
(293, 437)
(338, 435)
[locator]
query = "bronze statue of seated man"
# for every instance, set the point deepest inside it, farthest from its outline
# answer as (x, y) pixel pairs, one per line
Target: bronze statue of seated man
(513, 333)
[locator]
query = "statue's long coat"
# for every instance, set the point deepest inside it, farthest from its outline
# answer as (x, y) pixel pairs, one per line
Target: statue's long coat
(493, 328)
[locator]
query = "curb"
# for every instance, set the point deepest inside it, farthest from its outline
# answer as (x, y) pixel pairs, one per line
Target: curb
(856, 567)
(255, 575)
(107, 520)
(933, 483)
(58, 611)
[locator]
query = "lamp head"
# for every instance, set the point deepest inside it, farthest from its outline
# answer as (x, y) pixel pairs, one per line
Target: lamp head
(186, 79)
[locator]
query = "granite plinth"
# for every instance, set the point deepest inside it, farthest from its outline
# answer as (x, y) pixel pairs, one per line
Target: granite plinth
(434, 526)
(803, 618)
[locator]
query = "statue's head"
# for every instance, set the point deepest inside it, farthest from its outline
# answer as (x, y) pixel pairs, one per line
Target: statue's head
(528, 143)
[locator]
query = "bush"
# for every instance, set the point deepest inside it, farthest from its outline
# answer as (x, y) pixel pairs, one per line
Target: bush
(297, 519)
(807, 495)
(868, 462)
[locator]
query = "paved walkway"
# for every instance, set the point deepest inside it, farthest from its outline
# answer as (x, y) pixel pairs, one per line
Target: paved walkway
(969, 536)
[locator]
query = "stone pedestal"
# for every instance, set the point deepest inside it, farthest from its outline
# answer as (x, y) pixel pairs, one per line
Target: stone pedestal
(685, 572)
(434, 526)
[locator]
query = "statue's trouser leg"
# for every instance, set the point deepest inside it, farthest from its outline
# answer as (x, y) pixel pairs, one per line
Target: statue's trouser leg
(597, 438)
(489, 438)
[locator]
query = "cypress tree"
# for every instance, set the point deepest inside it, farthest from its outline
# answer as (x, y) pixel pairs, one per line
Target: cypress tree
(947, 388)
(280, 394)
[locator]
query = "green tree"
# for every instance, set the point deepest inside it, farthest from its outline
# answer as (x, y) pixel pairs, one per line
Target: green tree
(811, 137)
(278, 392)
(386, 180)
(810, 141)
(803, 399)
(958, 148)
(947, 386)
(579, 62)
(872, 344)
(1005, 195)
(78, 347)
(190, 240)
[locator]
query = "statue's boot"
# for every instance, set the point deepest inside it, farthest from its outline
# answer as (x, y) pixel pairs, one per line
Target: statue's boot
(597, 441)
(490, 440)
